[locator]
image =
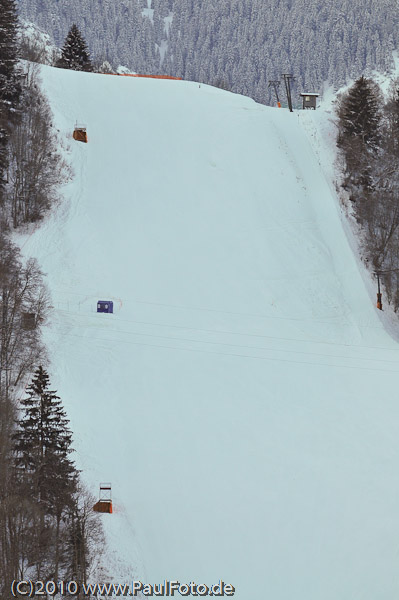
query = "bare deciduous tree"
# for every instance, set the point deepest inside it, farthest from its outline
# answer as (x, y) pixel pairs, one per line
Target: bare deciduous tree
(36, 168)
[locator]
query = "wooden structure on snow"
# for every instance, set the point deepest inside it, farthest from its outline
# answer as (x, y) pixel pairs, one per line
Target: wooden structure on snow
(104, 504)
(80, 133)
(309, 100)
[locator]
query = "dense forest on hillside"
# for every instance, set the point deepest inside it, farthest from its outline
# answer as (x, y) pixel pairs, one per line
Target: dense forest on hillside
(47, 527)
(368, 143)
(236, 44)
(114, 31)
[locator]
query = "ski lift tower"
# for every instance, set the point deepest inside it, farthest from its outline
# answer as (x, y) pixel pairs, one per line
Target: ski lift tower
(287, 80)
(274, 83)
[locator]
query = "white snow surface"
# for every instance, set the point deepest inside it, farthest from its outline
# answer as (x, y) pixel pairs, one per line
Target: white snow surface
(242, 399)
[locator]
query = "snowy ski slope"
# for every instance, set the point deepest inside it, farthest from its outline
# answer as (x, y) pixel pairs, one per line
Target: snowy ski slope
(243, 399)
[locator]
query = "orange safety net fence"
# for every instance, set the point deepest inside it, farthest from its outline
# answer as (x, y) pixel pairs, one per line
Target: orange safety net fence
(150, 76)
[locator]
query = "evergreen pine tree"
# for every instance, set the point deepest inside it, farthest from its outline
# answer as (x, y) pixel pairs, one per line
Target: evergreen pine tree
(74, 54)
(43, 444)
(105, 67)
(9, 84)
(360, 114)
(10, 87)
(45, 475)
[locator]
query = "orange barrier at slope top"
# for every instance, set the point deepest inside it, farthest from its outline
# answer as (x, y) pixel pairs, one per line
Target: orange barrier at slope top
(151, 76)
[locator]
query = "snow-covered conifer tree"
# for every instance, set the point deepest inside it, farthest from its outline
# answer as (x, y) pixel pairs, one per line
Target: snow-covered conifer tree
(43, 444)
(105, 67)
(10, 88)
(74, 54)
(9, 85)
(359, 115)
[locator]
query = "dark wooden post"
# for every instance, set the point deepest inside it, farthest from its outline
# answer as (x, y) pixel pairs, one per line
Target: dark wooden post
(379, 295)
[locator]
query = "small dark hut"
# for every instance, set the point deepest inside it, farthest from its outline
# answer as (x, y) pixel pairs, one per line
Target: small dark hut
(80, 133)
(309, 100)
(105, 306)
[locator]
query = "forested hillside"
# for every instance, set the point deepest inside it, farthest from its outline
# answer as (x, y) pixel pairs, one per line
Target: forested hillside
(368, 140)
(46, 523)
(236, 44)
(116, 31)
